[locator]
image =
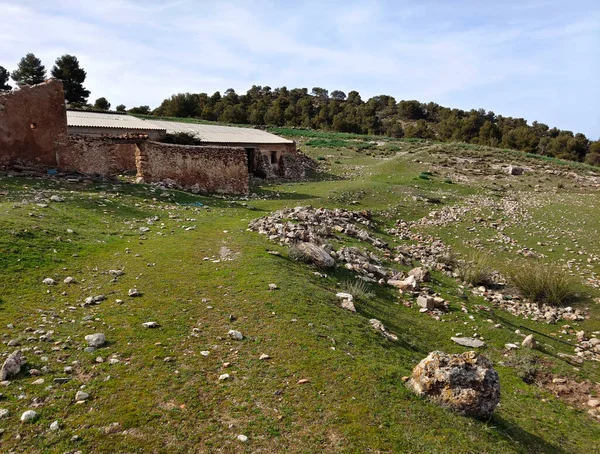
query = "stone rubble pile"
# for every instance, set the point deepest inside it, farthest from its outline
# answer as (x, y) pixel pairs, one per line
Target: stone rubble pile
(315, 225)
(539, 313)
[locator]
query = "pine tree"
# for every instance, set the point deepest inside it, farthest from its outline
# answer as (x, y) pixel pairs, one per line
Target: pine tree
(4, 76)
(67, 69)
(30, 71)
(102, 104)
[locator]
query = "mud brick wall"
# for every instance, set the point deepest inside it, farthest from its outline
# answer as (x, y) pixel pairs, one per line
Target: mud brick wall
(32, 119)
(96, 155)
(207, 169)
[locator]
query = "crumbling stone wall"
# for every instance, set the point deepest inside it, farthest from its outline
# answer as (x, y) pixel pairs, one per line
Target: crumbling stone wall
(205, 169)
(32, 120)
(107, 156)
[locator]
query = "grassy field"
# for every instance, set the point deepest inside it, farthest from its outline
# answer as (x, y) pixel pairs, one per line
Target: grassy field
(201, 272)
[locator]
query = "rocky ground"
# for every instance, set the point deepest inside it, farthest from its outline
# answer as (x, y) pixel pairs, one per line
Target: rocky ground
(139, 318)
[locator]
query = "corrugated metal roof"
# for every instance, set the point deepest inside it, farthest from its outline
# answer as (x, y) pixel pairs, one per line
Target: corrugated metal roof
(220, 134)
(107, 120)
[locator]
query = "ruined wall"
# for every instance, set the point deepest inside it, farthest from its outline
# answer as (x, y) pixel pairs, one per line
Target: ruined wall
(199, 168)
(31, 121)
(97, 155)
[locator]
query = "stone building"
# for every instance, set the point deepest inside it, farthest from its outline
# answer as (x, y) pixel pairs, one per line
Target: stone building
(36, 130)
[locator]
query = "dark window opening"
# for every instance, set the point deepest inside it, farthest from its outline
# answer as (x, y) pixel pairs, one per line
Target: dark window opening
(273, 157)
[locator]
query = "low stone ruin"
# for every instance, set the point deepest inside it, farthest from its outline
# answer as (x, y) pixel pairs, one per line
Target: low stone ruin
(465, 383)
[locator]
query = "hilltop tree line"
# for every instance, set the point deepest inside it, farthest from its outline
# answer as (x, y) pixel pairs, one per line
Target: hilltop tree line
(380, 115)
(335, 111)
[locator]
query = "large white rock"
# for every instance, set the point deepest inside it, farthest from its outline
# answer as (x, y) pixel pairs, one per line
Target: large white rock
(28, 415)
(12, 365)
(95, 340)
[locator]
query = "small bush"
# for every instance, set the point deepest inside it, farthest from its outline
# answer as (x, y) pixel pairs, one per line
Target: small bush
(527, 366)
(321, 158)
(476, 270)
(448, 181)
(450, 259)
(424, 177)
(358, 288)
(182, 138)
(543, 283)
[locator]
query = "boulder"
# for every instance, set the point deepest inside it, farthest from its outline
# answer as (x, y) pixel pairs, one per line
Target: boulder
(466, 383)
(410, 283)
(420, 274)
(316, 254)
(513, 170)
(468, 342)
(529, 342)
(12, 365)
(95, 340)
(426, 302)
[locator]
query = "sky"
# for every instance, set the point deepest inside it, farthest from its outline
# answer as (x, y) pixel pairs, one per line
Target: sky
(538, 60)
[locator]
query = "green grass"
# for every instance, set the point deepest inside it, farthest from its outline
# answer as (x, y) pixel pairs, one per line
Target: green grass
(355, 400)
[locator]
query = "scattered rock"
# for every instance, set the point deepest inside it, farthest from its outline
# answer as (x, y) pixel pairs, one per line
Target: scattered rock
(410, 284)
(242, 438)
(133, 292)
(28, 415)
(55, 426)
(468, 342)
(264, 356)
(56, 198)
(348, 305)
(81, 396)
(234, 334)
(426, 301)
(273, 287)
(466, 383)
(69, 280)
(303, 381)
(379, 327)
(224, 377)
(12, 365)
(420, 274)
(112, 428)
(49, 281)
(95, 340)
(4, 413)
(593, 403)
(529, 342)
(150, 325)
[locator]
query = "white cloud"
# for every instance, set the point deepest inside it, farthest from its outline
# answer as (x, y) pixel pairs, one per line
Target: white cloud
(519, 58)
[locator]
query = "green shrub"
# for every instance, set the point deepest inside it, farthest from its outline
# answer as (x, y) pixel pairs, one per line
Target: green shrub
(476, 270)
(542, 283)
(527, 365)
(321, 158)
(181, 138)
(424, 177)
(358, 288)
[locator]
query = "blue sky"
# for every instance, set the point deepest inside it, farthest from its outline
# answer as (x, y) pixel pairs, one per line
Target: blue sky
(539, 60)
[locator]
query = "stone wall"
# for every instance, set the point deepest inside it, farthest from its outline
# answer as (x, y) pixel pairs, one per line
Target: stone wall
(206, 169)
(32, 120)
(107, 156)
